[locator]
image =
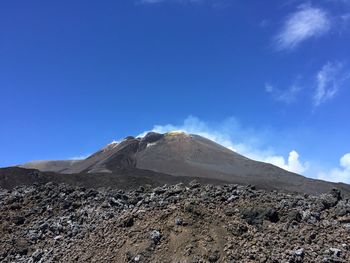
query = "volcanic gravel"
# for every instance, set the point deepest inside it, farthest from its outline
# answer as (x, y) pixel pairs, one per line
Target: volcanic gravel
(176, 223)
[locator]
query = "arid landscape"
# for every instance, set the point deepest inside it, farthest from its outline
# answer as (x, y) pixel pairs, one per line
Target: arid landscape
(111, 208)
(170, 157)
(178, 223)
(174, 131)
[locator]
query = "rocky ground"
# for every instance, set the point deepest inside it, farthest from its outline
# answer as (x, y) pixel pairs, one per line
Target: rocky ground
(178, 223)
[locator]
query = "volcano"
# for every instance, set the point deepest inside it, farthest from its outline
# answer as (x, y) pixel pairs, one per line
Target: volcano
(180, 156)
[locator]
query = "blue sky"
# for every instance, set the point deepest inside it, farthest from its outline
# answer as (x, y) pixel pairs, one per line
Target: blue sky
(270, 79)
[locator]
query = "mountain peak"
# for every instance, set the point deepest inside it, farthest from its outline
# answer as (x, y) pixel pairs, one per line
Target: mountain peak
(179, 154)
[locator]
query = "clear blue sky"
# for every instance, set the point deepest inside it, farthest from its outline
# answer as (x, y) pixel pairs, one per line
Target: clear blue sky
(75, 75)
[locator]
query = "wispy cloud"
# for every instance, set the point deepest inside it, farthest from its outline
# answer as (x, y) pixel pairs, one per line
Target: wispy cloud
(329, 80)
(339, 174)
(287, 96)
(237, 138)
(308, 22)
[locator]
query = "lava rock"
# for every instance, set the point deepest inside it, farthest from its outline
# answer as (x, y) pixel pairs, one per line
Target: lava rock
(127, 221)
(178, 221)
(155, 236)
(19, 220)
(299, 252)
(295, 216)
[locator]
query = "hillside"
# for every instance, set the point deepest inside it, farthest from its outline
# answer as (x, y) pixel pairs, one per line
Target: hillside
(187, 155)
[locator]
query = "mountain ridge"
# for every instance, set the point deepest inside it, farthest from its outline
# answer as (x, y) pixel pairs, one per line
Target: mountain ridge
(184, 155)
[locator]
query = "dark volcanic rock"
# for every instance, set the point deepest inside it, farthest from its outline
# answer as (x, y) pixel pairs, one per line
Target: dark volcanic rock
(150, 137)
(125, 158)
(256, 215)
(171, 223)
(155, 236)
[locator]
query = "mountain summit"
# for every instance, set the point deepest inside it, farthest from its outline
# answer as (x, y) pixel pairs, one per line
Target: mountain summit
(185, 155)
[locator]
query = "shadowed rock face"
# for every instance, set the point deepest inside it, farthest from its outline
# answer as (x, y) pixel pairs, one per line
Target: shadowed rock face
(188, 155)
(149, 138)
(125, 157)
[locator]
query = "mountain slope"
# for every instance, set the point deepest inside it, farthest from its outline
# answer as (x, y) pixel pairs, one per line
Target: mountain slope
(198, 156)
(50, 166)
(189, 155)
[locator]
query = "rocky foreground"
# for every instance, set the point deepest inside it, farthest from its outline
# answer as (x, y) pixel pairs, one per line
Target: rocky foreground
(178, 223)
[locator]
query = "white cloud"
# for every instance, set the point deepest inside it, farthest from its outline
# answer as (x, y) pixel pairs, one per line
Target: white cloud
(329, 79)
(230, 134)
(292, 164)
(287, 96)
(308, 22)
(339, 174)
(191, 124)
(345, 161)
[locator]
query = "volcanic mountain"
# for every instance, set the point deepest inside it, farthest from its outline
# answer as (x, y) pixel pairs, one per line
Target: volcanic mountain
(180, 156)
